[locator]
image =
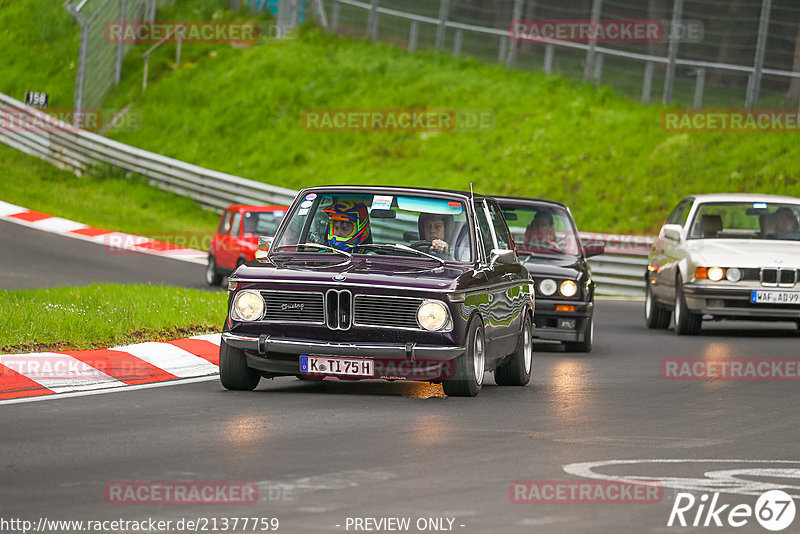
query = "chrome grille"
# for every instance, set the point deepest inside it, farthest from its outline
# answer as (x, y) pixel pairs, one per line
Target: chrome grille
(778, 277)
(338, 309)
(384, 311)
(294, 307)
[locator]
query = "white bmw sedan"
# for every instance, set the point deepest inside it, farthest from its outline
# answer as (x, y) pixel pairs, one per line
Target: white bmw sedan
(725, 256)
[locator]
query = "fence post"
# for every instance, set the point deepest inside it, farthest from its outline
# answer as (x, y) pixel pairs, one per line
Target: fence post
(647, 84)
(319, 14)
(372, 20)
(444, 6)
(412, 36)
(335, 16)
(754, 87)
(80, 79)
(549, 50)
(457, 42)
(588, 68)
(598, 68)
(698, 87)
(516, 15)
(123, 14)
(501, 52)
(669, 79)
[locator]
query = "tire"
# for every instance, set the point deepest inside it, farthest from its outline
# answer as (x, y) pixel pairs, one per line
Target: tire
(517, 370)
(655, 316)
(586, 344)
(470, 366)
(233, 370)
(686, 322)
(213, 278)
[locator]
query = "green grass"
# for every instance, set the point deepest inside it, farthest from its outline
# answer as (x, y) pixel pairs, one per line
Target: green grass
(105, 315)
(120, 204)
(606, 156)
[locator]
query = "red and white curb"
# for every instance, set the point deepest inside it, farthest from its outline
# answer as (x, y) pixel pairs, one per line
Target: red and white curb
(48, 373)
(114, 241)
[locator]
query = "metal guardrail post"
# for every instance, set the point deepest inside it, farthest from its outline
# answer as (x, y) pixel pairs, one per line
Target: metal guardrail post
(598, 67)
(372, 20)
(413, 32)
(647, 83)
(503, 48)
(516, 15)
(597, 5)
(457, 42)
(549, 51)
(698, 88)
(754, 87)
(441, 29)
(672, 55)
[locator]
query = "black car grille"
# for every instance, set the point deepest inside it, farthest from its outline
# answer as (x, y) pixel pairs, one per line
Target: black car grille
(339, 309)
(771, 276)
(294, 307)
(391, 312)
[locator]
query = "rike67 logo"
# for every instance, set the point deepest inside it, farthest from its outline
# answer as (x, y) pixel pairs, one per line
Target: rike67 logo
(774, 510)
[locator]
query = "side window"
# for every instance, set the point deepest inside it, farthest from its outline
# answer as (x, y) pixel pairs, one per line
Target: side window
(237, 219)
(680, 212)
(486, 234)
(225, 223)
(685, 213)
(500, 227)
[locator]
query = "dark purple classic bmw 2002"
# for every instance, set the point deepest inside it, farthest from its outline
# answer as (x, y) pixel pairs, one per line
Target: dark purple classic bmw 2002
(383, 283)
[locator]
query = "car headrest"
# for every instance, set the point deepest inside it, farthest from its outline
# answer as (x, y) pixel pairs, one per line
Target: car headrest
(710, 225)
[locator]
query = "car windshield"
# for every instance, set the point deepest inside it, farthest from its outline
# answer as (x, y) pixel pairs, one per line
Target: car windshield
(541, 229)
(420, 227)
(261, 223)
(746, 220)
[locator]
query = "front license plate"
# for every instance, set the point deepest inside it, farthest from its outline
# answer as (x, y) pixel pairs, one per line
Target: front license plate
(775, 297)
(336, 366)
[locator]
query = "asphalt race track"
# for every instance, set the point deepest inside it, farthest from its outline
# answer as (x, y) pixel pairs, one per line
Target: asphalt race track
(30, 258)
(329, 456)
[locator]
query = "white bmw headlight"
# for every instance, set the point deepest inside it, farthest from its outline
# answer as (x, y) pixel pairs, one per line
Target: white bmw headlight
(733, 274)
(715, 274)
(568, 288)
(432, 315)
(547, 287)
(248, 306)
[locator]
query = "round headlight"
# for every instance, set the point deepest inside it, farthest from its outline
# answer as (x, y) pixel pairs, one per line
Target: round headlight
(432, 315)
(248, 305)
(547, 287)
(568, 288)
(734, 274)
(715, 274)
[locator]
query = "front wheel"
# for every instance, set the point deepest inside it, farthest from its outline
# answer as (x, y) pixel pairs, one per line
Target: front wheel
(655, 316)
(233, 370)
(469, 367)
(586, 344)
(213, 278)
(686, 322)
(517, 370)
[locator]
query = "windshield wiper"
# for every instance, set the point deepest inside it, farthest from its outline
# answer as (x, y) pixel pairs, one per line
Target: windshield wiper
(318, 245)
(403, 248)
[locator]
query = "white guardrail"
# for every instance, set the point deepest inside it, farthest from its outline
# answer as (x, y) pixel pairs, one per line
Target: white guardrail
(618, 272)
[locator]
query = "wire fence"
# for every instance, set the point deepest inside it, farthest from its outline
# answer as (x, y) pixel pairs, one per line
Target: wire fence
(708, 53)
(100, 60)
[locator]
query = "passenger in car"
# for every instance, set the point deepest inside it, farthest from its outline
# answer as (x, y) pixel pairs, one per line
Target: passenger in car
(436, 228)
(785, 221)
(767, 224)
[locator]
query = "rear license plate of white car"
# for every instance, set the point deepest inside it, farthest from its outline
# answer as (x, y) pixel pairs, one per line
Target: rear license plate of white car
(328, 365)
(775, 297)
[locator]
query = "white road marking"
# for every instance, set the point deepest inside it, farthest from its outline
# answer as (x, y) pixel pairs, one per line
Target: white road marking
(171, 359)
(59, 372)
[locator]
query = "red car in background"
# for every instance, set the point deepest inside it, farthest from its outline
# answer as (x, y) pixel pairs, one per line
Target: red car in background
(236, 239)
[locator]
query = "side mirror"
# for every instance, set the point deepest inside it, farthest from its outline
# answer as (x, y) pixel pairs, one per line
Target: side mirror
(594, 248)
(264, 243)
(672, 232)
(503, 256)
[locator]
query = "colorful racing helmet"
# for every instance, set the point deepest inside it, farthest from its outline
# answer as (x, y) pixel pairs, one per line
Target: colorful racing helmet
(353, 212)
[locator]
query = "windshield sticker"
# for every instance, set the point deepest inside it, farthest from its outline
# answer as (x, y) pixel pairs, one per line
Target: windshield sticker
(302, 211)
(759, 205)
(381, 202)
(311, 196)
(306, 204)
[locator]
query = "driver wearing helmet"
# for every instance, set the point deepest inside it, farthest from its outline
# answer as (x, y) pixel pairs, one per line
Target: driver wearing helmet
(348, 225)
